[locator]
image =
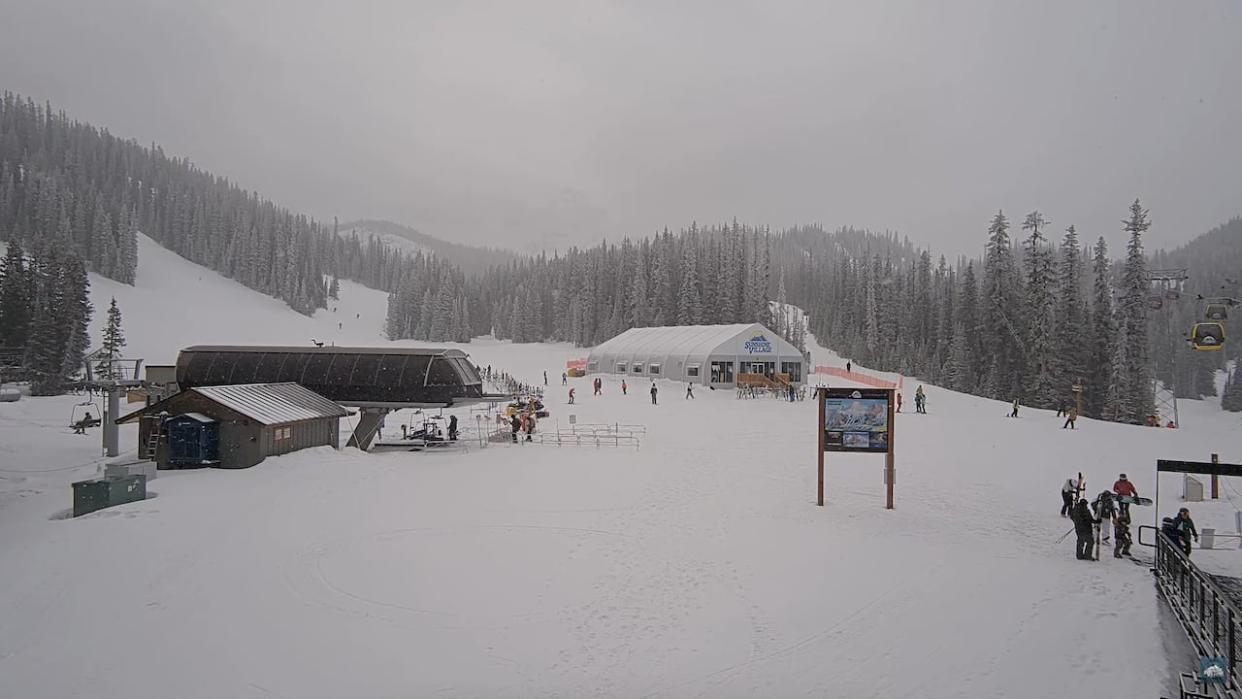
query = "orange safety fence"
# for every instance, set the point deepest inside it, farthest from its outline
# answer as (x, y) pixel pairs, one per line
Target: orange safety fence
(857, 376)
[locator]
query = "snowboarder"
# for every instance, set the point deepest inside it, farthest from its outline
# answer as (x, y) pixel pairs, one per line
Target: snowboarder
(1070, 417)
(624, 388)
(1068, 491)
(654, 391)
(849, 366)
(1015, 408)
(1084, 523)
(1124, 487)
(571, 396)
(1186, 529)
(898, 402)
(564, 379)
(452, 428)
(80, 426)
(1123, 535)
(1104, 509)
(1061, 409)
(689, 391)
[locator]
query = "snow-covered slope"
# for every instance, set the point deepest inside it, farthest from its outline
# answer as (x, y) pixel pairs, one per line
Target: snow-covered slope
(697, 565)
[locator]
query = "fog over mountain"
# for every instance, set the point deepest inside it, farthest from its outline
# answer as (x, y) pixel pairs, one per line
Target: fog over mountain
(541, 124)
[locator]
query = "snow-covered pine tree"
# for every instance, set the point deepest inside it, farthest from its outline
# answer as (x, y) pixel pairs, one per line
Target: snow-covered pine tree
(1041, 389)
(75, 315)
(1132, 317)
(16, 298)
(968, 315)
(959, 370)
(1002, 335)
(1071, 334)
(334, 288)
(113, 342)
(640, 309)
(689, 304)
(1231, 397)
(1101, 334)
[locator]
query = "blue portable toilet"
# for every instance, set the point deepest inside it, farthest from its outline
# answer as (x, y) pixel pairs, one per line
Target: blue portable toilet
(193, 439)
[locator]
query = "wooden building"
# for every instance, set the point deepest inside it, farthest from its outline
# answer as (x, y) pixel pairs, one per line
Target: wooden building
(234, 426)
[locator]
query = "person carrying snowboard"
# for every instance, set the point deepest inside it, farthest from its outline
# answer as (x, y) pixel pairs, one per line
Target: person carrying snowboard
(1122, 535)
(1068, 491)
(654, 391)
(1015, 408)
(1104, 508)
(1123, 488)
(1084, 525)
(1070, 417)
(689, 391)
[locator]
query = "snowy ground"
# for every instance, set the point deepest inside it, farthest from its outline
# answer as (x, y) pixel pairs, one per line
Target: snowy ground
(697, 565)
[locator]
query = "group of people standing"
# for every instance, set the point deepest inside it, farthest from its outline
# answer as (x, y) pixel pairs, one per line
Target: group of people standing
(597, 387)
(1106, 519)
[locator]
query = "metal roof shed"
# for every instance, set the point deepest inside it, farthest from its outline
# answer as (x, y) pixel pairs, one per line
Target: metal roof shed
(254, 421)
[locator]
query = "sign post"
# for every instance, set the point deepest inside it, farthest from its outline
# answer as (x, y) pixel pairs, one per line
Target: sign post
(857, 420)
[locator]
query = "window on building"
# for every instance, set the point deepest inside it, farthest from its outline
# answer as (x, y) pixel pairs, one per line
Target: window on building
(593, 366)
(653, 369)
(621, 367)
(793, 369)
(692, 371)
(722, 372)
(638, 367)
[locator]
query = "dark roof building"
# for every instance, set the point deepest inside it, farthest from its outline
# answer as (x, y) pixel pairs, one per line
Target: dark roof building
(235, 426)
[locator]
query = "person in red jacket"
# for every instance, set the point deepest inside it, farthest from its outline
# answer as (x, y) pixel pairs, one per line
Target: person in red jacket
(1126, 488)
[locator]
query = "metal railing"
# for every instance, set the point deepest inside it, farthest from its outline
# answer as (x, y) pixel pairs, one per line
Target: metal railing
(1209, 616)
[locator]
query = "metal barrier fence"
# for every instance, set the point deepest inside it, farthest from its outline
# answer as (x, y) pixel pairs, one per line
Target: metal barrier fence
(1209, 616)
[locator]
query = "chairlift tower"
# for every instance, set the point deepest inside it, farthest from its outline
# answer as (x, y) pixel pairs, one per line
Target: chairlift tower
(111, 376)
(1165, 288)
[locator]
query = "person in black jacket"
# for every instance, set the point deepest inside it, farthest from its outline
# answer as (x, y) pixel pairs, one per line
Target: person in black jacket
(452, 428)
(1122, 533)
(516, 423)
(1084, 527)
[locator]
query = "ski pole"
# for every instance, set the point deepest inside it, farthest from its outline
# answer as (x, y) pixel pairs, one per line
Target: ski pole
(1071, 531)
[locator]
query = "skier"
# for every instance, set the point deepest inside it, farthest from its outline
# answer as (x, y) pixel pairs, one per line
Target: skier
(1083, 525)
(849, 366)
(571, 396)
(1015, 408)
(1123, 535)
(1070, 417)
(1104, 509)
(624, 387)
(689, 391)
(1186, 529)
(1124, 488)
(564, 379)
(1061, 409)
(898, 402)
(452, 428)
(654, 391)
(1068, 491)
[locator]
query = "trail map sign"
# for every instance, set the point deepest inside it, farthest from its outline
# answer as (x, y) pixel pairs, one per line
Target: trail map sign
(857, 420)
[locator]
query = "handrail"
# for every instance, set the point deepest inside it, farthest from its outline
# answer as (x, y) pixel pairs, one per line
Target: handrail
(1209, 617)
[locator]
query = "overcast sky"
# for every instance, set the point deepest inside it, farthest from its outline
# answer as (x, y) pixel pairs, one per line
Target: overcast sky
(525, 124)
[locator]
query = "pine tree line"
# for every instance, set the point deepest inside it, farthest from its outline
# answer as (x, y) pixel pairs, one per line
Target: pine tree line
(44, 312)
(88, 193)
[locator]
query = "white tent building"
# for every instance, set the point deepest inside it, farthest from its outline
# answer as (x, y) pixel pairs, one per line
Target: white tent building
(708, 354)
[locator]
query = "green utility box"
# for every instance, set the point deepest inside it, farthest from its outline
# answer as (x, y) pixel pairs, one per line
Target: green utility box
(99, 493)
